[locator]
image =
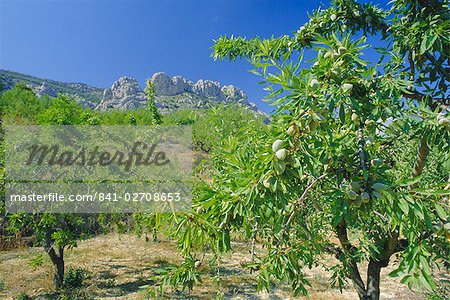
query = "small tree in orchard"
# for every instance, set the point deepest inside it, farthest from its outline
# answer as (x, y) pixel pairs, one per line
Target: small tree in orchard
(55, 232)
(357, 159)
(150, 92)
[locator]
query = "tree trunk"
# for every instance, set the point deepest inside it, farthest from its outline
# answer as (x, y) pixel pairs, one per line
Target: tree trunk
(372, 289)
(373, 281)
(421, 159)
(59, 272)
(57, 260)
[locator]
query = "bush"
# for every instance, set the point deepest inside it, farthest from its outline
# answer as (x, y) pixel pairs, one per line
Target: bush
(37, 261)
(74, 278)
(21, 103)
(22, 296)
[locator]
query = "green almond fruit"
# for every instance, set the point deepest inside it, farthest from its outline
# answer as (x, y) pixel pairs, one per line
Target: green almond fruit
(347, 87)
(352, 195)
(355, 185)
(314, 83)
(355, 117)
(296, 163)
(342, 50)
(333, 17)
(379, 187)
(279, 167)
(281, 154)
(376, 195)
(365, 197)
(277, 145)
(269, 182)
(377, 162)
(358, 203)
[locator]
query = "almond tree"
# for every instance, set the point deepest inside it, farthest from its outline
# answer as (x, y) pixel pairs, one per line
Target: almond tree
(357, 151)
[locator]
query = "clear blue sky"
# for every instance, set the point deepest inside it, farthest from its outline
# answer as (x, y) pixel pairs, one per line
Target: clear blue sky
(96, 42)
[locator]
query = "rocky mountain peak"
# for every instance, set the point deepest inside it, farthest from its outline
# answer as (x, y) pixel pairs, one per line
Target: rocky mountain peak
(172, 93)
(212, 90)
(125, 93)
(169, 86)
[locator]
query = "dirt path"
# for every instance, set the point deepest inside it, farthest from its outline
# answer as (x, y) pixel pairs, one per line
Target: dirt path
(118, 265)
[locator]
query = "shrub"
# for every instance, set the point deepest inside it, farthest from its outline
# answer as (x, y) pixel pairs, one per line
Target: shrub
(74, 278)
(22, 296)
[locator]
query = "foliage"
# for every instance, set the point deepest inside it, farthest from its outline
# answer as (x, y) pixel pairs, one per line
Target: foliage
(355, 151)
(21, 104)
(211, 126)
(150, 92)
(74, 278)
(62, 111)
(22, 296)
(72, 90)
(37, 261)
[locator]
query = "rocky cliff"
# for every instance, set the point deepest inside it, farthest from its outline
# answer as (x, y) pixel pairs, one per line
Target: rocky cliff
(172, 93)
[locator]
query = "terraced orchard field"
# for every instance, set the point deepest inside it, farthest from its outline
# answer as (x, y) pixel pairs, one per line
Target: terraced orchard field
(116, 266)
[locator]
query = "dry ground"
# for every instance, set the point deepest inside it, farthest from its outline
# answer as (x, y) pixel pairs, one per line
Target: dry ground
(118, 265)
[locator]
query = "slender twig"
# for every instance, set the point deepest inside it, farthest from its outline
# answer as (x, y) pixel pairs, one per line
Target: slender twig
(302, 197)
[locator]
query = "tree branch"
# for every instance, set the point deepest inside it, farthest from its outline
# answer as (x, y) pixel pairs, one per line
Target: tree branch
(302, 197)
(352, 266)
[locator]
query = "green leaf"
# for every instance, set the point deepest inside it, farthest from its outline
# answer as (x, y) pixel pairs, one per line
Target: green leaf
(406, 279)
(409, 181)
(441, 192)
(427, 43)
(440, 211)
(396, 273)
(403, 205)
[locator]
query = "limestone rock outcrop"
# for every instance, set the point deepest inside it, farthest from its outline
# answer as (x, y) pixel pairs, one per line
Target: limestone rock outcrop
(124, 94)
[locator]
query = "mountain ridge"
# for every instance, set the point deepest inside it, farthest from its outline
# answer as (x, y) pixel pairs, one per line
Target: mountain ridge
(172, 93)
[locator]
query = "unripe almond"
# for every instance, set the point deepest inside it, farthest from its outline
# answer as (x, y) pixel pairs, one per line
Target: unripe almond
(279, 167)
(365, 197)
(355, 185)
(376, 194)
(376, 162)
(342, 50)
(281, 154)
(314, 83)
(347, 87)
(379, 187)
(333, 17)
(352, 194)
(277, 145)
